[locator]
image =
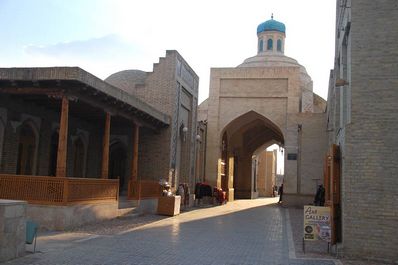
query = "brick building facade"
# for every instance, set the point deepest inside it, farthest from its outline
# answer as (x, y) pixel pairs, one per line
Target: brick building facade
(68, 137)
(267, 99)
(172, 88)
(362, 120)
(30, 109)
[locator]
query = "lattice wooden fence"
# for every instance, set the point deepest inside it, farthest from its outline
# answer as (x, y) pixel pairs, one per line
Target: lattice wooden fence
(57, 191)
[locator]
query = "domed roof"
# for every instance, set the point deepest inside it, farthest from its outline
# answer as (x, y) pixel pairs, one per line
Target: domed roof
(274, 60)
(127, 80)
(271, 25)
(269, 60)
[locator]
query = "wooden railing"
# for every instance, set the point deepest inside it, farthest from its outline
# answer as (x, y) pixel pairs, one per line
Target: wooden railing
(144, 189)
(84, 189)
(57, 191)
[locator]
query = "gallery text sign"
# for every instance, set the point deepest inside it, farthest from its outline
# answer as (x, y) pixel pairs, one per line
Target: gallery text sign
(317, 223)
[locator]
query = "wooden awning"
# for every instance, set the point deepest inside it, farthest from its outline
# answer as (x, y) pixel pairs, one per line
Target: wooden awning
(38, 84)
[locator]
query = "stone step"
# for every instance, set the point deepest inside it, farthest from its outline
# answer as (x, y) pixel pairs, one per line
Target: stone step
(124, 203)
(124, 212)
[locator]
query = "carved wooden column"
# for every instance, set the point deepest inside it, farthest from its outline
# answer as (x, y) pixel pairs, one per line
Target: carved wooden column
(134, 165)
(63, 139)
(105, 147)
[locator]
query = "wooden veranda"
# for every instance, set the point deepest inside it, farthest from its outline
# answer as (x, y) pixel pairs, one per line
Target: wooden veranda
(56, 88)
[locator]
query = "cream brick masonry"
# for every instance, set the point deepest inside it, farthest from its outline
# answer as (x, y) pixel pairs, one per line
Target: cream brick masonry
(363, 120)
(267, 99)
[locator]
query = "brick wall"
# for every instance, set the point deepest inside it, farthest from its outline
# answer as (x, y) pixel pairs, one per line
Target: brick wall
(161, 93)
(370, 142)
(154, 154)
(167, 90)
(312, 148)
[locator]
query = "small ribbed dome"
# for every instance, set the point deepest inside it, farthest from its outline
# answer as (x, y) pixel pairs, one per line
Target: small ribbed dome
(127, 80)
(271, 25)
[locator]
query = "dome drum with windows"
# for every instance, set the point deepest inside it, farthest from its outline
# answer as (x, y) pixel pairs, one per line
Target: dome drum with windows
(269, 33)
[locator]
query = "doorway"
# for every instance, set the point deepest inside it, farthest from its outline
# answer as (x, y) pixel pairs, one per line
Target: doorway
(26, 150)
(117, 164)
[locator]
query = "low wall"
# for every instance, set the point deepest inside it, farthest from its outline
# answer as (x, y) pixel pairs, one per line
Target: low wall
(147, 206)
(51, 217)
(297, 200)
(247, 194)
(12, 229)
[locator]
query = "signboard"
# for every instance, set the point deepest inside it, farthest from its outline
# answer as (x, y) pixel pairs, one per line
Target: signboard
(292, 156)
(317, 223)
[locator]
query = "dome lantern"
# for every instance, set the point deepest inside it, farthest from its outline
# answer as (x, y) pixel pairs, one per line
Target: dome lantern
(271, 36)
(271, 25)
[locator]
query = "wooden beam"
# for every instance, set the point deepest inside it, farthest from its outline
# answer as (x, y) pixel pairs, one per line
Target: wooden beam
(31, 91)
(134, 165)
(105, 147)
(63, 139)
(115, 111)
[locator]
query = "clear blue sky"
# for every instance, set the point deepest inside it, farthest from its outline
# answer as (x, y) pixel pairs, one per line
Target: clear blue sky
(104, 37)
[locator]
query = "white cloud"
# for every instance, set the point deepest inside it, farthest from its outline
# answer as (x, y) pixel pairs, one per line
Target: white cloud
(206, 33)
(101, 56)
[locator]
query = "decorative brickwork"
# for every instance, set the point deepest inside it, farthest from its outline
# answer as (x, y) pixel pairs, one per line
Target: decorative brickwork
(171, 88)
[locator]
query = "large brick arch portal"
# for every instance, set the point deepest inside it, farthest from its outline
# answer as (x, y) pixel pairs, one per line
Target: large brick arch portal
(240, 139)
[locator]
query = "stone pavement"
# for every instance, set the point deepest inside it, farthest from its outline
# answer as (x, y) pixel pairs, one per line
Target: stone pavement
(242, 232)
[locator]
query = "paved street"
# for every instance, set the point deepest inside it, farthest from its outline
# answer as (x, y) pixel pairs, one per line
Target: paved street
(242, 232)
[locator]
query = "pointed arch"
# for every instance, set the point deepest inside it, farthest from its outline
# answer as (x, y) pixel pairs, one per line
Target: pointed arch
(28, 139)
(279, 45)
(250, 119)
(245, 135)
(269, 44)
(80, 146)
(261, 46)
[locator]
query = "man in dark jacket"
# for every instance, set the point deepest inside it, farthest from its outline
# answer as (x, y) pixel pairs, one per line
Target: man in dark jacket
(320, 196)
(280, 191)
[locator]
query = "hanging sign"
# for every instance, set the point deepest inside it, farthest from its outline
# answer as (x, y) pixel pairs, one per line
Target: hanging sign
(317, 223)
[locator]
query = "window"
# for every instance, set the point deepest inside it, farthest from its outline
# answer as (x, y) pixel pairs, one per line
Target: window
(269, 44)
(279, 45)
(260, 46)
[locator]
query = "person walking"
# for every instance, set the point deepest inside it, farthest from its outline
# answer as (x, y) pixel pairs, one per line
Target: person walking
(280, 191)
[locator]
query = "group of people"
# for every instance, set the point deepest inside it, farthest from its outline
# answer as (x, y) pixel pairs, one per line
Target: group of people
(279, 191)
(203, 189)
(319, 199)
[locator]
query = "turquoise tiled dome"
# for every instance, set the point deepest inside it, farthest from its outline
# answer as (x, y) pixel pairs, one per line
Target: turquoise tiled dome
(271, 25)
